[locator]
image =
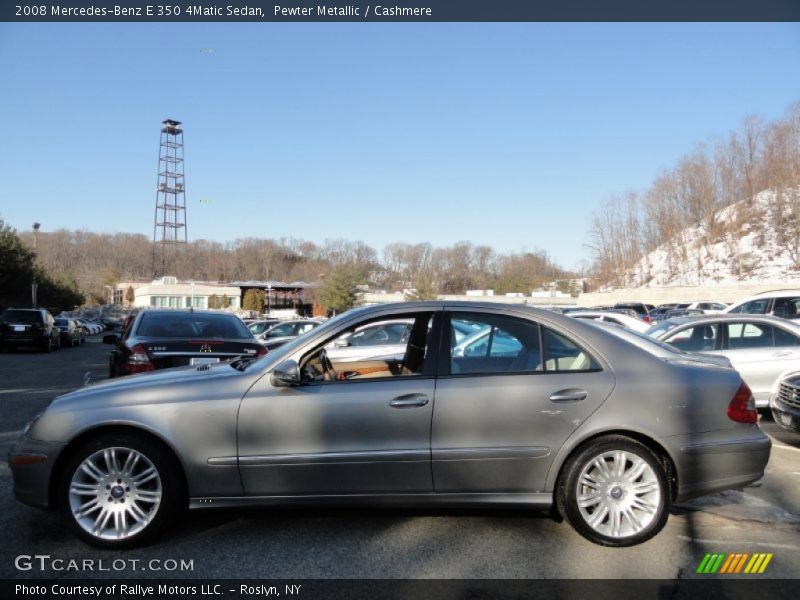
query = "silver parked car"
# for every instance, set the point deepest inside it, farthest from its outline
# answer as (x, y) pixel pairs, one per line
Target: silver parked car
(759, 347)
(603, 431)
(784, 401)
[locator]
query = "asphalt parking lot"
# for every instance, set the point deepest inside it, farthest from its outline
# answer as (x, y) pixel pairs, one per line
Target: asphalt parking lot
(384, 543)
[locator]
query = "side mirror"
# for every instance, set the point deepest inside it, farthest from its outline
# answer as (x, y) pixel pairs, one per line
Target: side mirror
(341, 343)
(286, 374)
(110, 339)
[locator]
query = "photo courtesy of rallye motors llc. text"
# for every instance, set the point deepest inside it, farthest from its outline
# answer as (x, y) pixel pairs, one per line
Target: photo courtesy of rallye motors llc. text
(137, 589)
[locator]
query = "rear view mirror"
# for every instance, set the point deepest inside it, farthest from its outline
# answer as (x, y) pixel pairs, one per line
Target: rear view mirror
(286, 374)
(110, 339)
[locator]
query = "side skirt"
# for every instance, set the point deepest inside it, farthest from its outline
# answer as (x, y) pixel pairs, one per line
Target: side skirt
(538, 501)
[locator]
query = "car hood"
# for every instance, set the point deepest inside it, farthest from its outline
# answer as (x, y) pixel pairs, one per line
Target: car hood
(133, 386)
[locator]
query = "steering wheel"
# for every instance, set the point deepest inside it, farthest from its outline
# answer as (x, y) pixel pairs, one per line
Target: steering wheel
(328, 372)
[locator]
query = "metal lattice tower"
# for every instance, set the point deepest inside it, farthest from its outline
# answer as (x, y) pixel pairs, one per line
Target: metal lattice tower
(169, 225)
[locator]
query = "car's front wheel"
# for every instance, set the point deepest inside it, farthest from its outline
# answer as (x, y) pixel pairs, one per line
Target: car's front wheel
(120, 490)
(615, 492)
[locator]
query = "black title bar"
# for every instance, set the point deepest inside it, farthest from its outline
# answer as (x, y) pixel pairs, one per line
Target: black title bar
(398, 10)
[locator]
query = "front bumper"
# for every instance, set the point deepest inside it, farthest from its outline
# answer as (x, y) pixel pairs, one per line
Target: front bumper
(32, 475)
(785, 415)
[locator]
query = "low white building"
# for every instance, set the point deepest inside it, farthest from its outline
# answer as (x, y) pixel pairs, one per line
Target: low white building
(168, 292)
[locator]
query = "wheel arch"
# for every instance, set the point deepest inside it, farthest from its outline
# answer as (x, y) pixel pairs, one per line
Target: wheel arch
(110, 428)
(664, 456)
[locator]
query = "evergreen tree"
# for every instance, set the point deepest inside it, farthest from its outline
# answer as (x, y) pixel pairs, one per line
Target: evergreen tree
(340, 292)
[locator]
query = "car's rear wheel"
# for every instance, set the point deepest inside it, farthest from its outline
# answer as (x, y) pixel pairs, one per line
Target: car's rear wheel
(615, 492)
(120, 490)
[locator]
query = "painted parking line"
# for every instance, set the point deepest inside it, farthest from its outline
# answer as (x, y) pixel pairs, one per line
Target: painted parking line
(784, 446)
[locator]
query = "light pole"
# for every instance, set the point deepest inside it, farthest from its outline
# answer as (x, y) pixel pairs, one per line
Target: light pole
(34, 284)
(191, 283)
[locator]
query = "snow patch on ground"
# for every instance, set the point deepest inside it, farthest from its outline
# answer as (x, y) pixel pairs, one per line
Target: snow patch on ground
(740, 506)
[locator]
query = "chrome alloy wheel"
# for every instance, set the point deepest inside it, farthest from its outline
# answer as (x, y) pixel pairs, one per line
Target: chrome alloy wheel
(618, 494)
(115, 493)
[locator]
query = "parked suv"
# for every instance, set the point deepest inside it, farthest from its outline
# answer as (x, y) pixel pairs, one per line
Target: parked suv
(780, 303)
(29, 327)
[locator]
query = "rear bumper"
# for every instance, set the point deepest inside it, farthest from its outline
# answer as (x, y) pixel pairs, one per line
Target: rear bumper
(24, 339)
(32, 479)
(716, 461)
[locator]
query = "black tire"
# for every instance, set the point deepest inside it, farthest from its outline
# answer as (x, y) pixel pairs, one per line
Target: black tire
(48, 346)
(170, 479)
(567, 491)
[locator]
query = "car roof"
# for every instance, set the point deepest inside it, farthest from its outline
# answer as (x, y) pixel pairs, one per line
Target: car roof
(724, 317)
(790, 291)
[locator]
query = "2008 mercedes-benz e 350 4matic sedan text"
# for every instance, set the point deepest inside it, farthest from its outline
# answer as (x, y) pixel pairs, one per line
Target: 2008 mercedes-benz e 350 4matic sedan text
(559, 414)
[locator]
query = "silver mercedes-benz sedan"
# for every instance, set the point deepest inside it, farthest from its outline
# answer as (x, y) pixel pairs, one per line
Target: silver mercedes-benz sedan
(606, 430)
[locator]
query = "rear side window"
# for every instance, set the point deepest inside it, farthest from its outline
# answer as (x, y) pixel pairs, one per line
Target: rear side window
(562, 354)
(505, 344)
(499, 344)
(749, 335)
(700, 338)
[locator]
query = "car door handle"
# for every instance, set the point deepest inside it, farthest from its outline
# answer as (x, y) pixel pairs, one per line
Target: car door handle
(568, 395)
(409, 401)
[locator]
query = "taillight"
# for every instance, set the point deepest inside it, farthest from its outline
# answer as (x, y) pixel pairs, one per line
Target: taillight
(647, 318)
(138, 361)
(742, 407)
(262, 351)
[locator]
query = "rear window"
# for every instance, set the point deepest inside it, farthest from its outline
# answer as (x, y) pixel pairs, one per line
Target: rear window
(193, 325)
(22, 316)
(62, 322)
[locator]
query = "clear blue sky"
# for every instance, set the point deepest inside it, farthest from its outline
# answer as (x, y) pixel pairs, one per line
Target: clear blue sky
(502, 134)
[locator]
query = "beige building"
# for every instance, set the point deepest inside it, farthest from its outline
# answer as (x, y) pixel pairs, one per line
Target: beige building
(168, 292)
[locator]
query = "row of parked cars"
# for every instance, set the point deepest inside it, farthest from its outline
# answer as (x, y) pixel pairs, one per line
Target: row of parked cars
(759, 336)
(37, 328)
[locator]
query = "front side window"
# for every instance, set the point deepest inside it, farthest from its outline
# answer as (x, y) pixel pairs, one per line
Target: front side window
(409, 357)
(787, 308)
(784, 338)
(754, 307)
